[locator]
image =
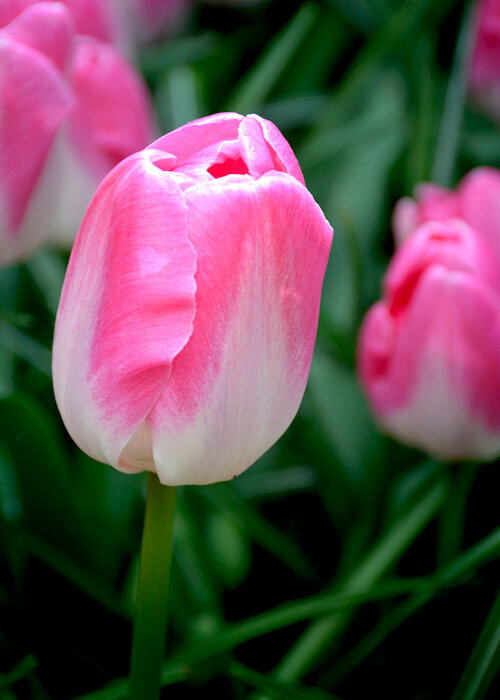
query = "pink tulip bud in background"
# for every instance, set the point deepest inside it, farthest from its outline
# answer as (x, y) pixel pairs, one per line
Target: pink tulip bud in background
(111, 119)
(476, 201)
(71, 107)
(35, 100)
(101, 19)
(152, 19)
(189, 311)
(429, 355)
(484, 79)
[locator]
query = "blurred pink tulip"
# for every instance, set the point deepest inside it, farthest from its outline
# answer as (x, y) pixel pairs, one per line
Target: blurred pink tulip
(70, 109)
(428, 352)
(34, 102)
(101, 19)
(189, 311)
(476, 201)
(151, 19)
(484, 78)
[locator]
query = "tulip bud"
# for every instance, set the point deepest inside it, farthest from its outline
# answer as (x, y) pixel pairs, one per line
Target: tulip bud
(189, 311)
(71, 107)
(484, 77)
(34, 102)
(111, 118)
(428, 352)
(476, 201)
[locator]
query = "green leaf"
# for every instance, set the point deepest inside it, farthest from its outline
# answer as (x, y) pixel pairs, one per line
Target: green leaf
(449, 133)
(484, 662)
(276, 688)
(256, 85)
(312, 645)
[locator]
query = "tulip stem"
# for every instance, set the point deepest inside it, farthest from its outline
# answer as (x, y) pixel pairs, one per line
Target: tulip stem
(150, 620)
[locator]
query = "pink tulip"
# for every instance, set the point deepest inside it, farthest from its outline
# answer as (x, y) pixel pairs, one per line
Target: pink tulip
(189, 311)
(428, 352)
(34, 102)
(98, 18)
(70, 109)
(111, 119)
(484, 78)
(151, 19)
(476, 201)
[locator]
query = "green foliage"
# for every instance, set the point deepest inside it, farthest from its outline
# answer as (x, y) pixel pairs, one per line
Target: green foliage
(342, 564)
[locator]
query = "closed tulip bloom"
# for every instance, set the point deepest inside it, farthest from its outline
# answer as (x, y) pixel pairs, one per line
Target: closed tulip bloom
(428, 352)
(476, 200)
(189, 310)
(34, 102)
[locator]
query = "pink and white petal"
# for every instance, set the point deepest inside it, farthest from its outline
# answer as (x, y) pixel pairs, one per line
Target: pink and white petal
(195, 136)
(46, 27)
(441, 390)
(265, 148)
(262, 249)
(34, 101)
(126, 309)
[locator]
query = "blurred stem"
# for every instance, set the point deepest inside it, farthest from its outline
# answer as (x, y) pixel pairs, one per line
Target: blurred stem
(451, 521)
(451, 120)
(150, 621)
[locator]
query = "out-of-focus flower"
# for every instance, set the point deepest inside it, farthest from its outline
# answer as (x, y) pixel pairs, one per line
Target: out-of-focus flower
(34, 102)
(111, 119)
(484, 78)
(476, 201)
(151, 19)
(429, 356)
(71, 107)
(189, 311)
(101, 19)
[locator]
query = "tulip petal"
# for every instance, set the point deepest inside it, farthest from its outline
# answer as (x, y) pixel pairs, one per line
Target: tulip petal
(265, 148)
(262, 248)
(126, 310)
(46, 27)
(112, 117)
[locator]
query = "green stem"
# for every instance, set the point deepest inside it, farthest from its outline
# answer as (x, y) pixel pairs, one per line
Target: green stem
(150, 621)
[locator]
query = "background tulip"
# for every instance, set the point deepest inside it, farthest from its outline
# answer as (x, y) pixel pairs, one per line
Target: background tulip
(202, 259)
(98, 18)
(34, 102)
(71, 107)
(484, 76)
(476, 201)
(428, 352)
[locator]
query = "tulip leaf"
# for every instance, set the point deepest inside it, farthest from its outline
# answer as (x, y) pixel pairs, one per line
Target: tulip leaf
(312, 645)
(484, 662)
(256, 85)
(276, 688)
(451, 120)
(47, 269)
(19, 343)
